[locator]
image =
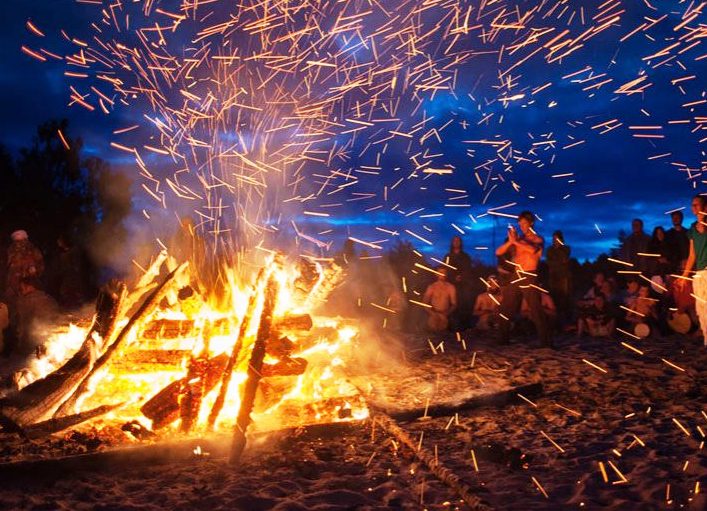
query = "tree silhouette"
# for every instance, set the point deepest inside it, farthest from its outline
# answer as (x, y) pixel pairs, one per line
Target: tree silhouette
(51, 192)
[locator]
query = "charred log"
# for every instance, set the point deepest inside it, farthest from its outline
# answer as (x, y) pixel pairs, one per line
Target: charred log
(500, 398)
(432, 462)
(280, 347)
(254, 372)
(293, 322)
(55, 425)
(164, 408)
(285, 367)
(233, 359)
(180, 328)
(192, 392)
(41, 398)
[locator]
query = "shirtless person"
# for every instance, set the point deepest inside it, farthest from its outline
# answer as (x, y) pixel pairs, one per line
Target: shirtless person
(528, 247)
(442, 296)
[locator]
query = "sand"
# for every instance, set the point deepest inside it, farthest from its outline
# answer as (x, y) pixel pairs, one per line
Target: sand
(628, 410)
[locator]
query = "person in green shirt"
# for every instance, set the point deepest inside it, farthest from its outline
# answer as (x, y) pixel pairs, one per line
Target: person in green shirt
(697, 260)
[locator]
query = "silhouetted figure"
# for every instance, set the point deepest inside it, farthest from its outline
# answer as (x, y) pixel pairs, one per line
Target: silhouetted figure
(599, 319)
(658, 246)
(4, 323)
(636, 243)
(678, 243)
(487, 305)
(460, 277)
(560, 285)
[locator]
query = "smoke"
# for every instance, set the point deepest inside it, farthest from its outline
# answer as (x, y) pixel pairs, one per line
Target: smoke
(108, 246)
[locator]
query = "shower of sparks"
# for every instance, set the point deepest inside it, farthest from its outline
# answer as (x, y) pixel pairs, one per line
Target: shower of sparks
(247, 114)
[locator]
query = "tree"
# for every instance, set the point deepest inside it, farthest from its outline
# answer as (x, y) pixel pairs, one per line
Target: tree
(51, 192)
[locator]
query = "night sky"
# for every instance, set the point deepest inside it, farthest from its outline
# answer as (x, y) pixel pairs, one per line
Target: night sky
(559, 166)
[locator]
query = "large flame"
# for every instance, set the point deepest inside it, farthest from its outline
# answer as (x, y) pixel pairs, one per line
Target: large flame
(209, 325)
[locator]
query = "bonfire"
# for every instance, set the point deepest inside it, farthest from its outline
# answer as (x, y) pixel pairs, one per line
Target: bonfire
(170, 357)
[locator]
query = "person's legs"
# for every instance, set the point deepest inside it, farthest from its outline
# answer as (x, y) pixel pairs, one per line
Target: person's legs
(537, 315)
(699, 285)
(510, 305)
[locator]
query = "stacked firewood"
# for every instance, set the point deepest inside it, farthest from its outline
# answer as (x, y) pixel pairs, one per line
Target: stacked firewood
(49, 404)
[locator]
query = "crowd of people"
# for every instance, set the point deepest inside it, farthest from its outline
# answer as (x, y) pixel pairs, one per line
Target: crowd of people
(33, 293)
(659, 286)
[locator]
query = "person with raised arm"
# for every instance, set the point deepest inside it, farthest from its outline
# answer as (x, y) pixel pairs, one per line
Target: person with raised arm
(527, 249)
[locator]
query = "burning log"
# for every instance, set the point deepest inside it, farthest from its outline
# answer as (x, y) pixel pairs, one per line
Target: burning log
(308, 277)
(42, 397)
(55, 425)
(147, 306)
(254, 374)
(164, 408)
(153, 357)
(293, 322)
(228, 372)
(280, 347)
(193, 391)
(179, 328)
(285, 367)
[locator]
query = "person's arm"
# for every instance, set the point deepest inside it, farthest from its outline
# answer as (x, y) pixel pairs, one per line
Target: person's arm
(504, 248)
(427, 297)
(478, 311)
(689, 264)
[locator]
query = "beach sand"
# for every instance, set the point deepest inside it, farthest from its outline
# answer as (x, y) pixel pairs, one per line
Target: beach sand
(639, 416)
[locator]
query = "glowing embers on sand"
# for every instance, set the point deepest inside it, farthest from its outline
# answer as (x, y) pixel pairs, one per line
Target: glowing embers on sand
(177, 358)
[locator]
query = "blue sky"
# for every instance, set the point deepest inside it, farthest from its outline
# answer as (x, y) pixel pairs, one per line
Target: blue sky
(641, 184)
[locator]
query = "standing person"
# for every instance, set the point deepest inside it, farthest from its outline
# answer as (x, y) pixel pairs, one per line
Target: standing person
(659, 263)
(558, 262)
(23, 260)
(697, 259)
(636, 243)
(460, 277)
(528, 247)
(442, 297)
(678, 243)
